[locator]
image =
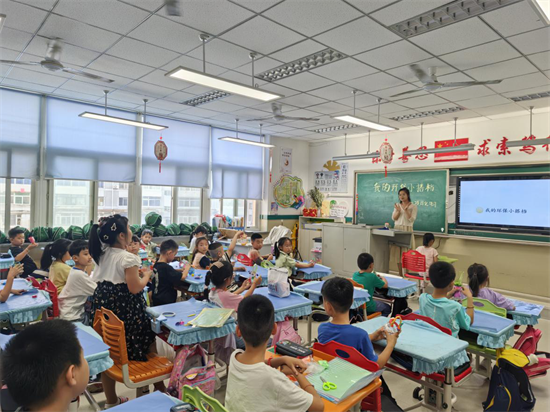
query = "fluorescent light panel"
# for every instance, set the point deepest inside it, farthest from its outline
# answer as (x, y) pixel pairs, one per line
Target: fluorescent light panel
(365, 123)
(356, 157)
(426, 114)
(335, 128)
(459, 148)
(120, 120)
(193, 76)
(205, 98)
(2, 21)
(245, 141)
(530, 96)
(521, 143)
(542, 8)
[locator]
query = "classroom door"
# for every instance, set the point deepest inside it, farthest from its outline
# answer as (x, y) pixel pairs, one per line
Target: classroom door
(333, 237)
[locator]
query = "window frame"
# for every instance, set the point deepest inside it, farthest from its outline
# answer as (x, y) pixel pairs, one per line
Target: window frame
(236, 208)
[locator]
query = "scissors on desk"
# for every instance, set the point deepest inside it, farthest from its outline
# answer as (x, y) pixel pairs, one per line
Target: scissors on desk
(328, 386)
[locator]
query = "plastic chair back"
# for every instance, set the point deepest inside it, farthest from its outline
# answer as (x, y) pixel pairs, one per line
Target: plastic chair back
(114, 336)
(34, 282)
(200, 400)
(415, 316)
(486, 306)
(347, 353)
(48, 286)
(355, 284)
(413, 261)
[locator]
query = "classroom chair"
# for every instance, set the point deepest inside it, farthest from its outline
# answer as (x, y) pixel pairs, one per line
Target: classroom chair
(134, 374)
(415, 262)
(373, 402)
(486, 306)
(364, 306)
(34, 282)
(200, 400)
(48, 286)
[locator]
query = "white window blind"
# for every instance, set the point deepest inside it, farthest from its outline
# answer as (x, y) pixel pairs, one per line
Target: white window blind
(19, 134)
(187, 162)
(237, 169)
(86, 149)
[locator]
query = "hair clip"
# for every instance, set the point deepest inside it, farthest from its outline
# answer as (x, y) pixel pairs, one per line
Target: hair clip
(113, 228)
(105, 237)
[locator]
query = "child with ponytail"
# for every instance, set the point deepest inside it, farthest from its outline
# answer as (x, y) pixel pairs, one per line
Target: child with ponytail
(119, 289)
(53, 260)
(283, 249)
(478, 281)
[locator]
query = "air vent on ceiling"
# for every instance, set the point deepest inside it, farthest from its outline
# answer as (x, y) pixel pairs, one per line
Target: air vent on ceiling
(301, 65)
(530, 96)
(335, 128)
(427, 113)
(446, 15)
(206, 98)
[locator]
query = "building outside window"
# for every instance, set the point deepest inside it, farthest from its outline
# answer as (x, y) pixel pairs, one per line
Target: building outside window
(20, 199)
(189, 205)
(156, 199)
(71, 203)
(112, 199)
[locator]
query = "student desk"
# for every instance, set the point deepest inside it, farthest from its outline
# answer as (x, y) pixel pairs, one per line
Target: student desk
(155, 401)
(183, 251)
(493, 330)
(313, 290)
(18, 283)
(196, 284)
(24, 308)
(314, 273)
(431, 351)
(5, 264)
(189, 335)
(294, 305)
(526, 313)
(447, 259)
(352, 402)
(399, 287)
(247, 273)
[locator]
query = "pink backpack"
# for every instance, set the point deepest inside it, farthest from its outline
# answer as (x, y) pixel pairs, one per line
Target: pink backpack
(192, 367)
(285, 331)
(527, 344)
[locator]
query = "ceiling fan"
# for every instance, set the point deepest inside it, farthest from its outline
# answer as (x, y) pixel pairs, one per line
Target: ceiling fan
(279, 116)
(51, 62)
(431, 83)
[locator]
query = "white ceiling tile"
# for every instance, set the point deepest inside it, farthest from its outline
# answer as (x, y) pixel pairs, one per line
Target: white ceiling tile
(200, 15)
(168, 34)
(158, 78)
(237, 77)
(222, 106)
(297, 51)
(78, 34)
(343, 70)
(188, 117)
(464, 114)
(141, 52)
(83, 87)
(14, 39)
(333, 92)
(150, 90)
(196, 89)
(194, 64)
(223, 54)
(276, 128)
(361, 100)
(228, 119)
(521, 82)
(357, 36)
(500, 109)
(329, 108)
(200, 112)
(464, 93)
(304, 82)
(240, 100)
(405, 73)
(156, 110)
(149, 5)
(493, 100)
(36, 77)
(262, 35)
(513, 19)
(7, 54)
(302, 100)
(113, 103)
(485, 54)
(71, 55)
(276, 88)
(389, 92)
(385, 108)
(110, 64)
(108, 14)
(377, 81)
(75, 95)
(118, 81)
(27, 86)
(368, 6)
(179, 97)
(393, 55)
(524, 92)
(42, 4)
(21, 16)
(536, 103)
(260, 65)
(301, 113)
(406, 9)
(502, 70)
(532, 42)
(422, 101)
(541, 60)
(256, 5)
(124, 96)
(249, 113)
(311, 17)
(456, 36)
(301, 124)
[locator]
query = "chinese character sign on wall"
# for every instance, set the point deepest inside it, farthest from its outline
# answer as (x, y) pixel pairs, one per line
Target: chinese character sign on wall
(285, 161)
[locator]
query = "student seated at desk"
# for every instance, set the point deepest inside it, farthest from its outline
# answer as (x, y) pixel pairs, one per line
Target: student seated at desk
(199, 232)
(200, 260)
(134, 246)
(216, 252)
(254, 384)
(478, 282)
(44, 367)
(165, 277)
(448, 313)
(53, 260)
(149, 246)
(371, 280)
(283, 249)
(257, 244)
(17, 238)
(337, 298)
(428, 251)
(14, 271)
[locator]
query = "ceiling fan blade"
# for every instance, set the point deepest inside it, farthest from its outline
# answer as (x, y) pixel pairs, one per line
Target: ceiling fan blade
(472, 83)
(88, 75)
(307, 119)
(20, 63)
(259, 119)
(420, 73)
(407, 92)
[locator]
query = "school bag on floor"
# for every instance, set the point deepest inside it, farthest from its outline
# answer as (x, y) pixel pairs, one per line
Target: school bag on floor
(192, 367)
(527, 344)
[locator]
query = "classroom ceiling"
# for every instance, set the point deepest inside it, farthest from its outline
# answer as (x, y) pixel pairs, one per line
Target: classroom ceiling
(135, 42)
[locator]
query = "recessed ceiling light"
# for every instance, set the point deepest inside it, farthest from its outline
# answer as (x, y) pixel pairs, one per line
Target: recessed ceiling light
(335, 128)
(542, 8)
(530, 96)
(205, 98)
(427, 113)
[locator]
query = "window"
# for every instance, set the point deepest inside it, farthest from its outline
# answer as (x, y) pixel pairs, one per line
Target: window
(3, 228)
(71, 203)
(239, 208)
(228, 207)
(20, 203)
(215, 208)
(189, 205)
(156, 199)
(251, 213)
(113, 198)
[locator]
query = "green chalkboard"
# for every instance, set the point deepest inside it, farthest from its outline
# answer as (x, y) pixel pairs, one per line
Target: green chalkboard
(377, 194)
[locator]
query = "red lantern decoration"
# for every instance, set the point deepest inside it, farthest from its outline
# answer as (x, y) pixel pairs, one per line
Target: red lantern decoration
(386, 155)
(161, 151)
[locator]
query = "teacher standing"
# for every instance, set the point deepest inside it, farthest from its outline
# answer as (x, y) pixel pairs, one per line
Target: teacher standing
(404, 215)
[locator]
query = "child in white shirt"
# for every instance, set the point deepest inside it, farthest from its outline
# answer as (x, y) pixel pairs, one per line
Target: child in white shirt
(428, 251)
(79, 286)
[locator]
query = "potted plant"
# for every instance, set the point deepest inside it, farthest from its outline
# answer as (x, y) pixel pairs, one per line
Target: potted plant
(317, 197)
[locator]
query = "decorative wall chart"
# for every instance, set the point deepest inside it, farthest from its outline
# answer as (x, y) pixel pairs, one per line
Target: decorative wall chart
(333, 180)
(287, 190)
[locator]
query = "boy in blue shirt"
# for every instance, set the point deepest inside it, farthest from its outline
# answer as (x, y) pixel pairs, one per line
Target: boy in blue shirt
(448, 313)
(337, 298)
